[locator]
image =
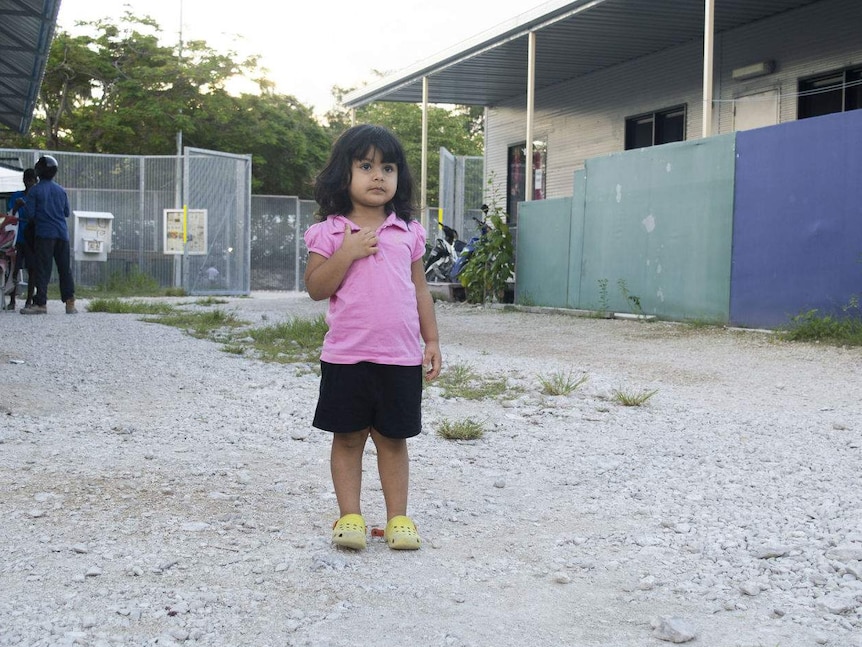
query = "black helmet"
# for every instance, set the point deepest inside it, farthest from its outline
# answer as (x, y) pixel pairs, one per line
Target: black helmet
(46, 167)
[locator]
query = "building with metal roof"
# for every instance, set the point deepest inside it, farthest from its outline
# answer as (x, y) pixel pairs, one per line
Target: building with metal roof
(570, 80)
(26, 31)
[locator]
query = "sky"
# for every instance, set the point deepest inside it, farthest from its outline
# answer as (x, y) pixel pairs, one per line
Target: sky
(311, 45)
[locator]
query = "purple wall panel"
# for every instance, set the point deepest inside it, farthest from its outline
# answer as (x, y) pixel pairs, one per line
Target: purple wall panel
(797, 228)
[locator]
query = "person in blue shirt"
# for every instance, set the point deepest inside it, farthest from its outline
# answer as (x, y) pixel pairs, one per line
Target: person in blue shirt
(47, 207)
(23, 245)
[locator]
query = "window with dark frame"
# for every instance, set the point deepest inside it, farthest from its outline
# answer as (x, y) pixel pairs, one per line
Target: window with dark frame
(516, 183)
(653, 128)
(838, 91)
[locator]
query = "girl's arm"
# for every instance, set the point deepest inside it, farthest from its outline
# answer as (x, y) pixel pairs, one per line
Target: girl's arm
(324, 275)
(432, 358)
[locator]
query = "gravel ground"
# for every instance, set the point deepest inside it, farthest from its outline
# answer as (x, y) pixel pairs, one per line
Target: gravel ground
(155, 490)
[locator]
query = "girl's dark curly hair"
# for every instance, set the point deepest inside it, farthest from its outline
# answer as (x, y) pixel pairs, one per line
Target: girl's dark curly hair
(359, 142)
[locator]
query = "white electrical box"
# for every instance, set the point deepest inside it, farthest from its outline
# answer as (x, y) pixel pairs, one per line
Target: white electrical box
(92, 235)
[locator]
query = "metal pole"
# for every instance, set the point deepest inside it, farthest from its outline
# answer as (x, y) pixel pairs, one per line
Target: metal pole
(531, 101)
(178, 204)
(297, 240)
(424, 199)
(178, 187)
(708, 36)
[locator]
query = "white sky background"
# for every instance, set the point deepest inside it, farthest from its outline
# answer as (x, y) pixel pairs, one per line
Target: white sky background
(308, 46)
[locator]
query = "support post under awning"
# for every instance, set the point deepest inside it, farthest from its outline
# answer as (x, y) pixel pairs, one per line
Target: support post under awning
(708, 47)
(424, 190)
(531, 104)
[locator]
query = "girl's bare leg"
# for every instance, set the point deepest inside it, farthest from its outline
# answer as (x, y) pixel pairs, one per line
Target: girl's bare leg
(393, 464)
(345, 464)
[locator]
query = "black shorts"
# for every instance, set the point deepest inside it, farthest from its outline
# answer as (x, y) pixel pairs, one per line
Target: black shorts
(354, 397)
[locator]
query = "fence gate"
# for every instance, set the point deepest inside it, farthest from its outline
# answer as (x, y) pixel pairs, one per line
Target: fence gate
(217, 191)
(461, 194)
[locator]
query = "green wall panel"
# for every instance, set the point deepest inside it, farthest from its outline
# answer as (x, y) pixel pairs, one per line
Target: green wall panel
(542, 256)
(576, 241)
(658, 227)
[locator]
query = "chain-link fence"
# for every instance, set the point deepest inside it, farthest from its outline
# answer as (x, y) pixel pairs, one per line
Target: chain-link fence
(244, 243)
(277, 247)
(136, 191)
(461, 195)
(219, 183)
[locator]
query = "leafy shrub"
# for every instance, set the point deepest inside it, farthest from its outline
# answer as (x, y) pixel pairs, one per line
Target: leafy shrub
(492, 262)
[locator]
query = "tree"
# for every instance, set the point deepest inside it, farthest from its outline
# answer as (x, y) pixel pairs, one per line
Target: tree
(118, 90)
(287, 144)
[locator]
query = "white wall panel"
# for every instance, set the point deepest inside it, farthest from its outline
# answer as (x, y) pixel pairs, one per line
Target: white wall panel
(585, 117)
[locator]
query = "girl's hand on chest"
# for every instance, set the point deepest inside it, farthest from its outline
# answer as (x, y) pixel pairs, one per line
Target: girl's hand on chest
(359, 244)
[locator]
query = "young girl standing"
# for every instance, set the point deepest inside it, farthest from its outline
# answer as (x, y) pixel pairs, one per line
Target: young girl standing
(366, 258)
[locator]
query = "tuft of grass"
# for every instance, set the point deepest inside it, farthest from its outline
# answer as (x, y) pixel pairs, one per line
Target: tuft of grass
(131, 283)
(210, 301)
(632, 398)
(699, 323)
(461, 381)
(468, 429)
(840, 331)
(135, 306)
(198, 324)
(560, 383)
(296, 340)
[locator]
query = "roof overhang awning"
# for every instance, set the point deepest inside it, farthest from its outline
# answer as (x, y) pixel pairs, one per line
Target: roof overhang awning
(26, 32)
(573, 39)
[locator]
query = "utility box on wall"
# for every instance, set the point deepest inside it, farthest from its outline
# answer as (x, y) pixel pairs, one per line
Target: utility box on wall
(92, 235)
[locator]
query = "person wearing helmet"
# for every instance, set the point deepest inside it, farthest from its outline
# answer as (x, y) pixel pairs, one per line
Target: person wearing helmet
(23, 240)
(47, 207)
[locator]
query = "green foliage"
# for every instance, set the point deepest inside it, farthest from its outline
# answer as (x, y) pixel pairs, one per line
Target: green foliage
(633, 300)
(288, 146)
(114, 88)
(603, 295)
(296, 340)
(461, 381)
(468, 429)
(118, 306)
(814, 327)
(632, 398)
(200, 324)
(492, 263)
(117, 89)
(560, 383)
(210, 301)
(133, 282)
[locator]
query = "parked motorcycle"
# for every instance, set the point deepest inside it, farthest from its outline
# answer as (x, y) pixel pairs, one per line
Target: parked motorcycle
(467, 250)
(443, 256)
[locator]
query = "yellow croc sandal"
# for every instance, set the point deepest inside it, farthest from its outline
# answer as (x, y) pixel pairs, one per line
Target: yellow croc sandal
(401, 534)
(349, 531)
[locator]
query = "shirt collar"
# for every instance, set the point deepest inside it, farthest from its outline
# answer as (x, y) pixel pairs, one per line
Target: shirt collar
(336, 223)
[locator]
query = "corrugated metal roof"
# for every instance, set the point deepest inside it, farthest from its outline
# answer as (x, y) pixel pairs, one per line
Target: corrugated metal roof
(26, 31)
(572, 39)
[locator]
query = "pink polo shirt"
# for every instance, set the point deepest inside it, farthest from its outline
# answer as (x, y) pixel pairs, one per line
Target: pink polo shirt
(373, 315)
